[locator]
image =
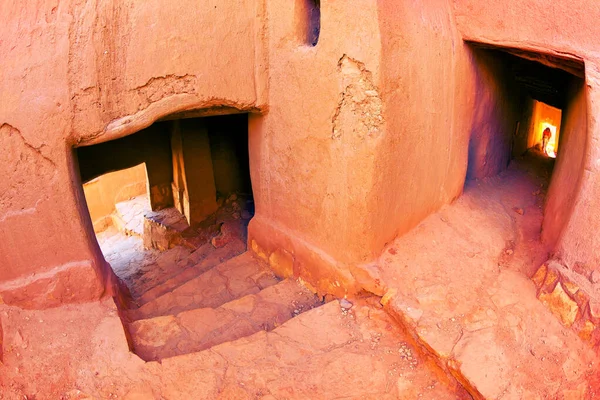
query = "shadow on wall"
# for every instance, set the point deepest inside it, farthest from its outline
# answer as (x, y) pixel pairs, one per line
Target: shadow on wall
(498, 104)
(228, 136)
(569, 167)
(308, 21)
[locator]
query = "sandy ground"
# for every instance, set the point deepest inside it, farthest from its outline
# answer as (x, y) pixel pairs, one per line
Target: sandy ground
(461, 292)
(80, 352)
(460, 282)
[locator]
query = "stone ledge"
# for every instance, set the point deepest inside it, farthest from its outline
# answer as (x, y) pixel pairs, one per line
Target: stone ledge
(163, 229)
(501, 340)
(572, 298)
(290, 256)
(73, 282)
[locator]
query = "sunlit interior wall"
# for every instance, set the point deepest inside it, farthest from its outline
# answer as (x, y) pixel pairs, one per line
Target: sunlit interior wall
(103, 192)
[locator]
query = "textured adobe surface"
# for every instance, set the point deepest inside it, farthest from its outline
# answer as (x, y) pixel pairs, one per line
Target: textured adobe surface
(320, 354)
(358, 143)
(82, 72)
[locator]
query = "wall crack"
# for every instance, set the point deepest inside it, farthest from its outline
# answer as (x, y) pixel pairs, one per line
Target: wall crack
(359, 110)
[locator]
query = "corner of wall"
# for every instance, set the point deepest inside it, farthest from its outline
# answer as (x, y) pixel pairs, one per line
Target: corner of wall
(292, 257)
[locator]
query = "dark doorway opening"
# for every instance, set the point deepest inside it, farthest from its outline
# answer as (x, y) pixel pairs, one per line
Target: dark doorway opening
(521, 102)
(518, 94)
(159, 195)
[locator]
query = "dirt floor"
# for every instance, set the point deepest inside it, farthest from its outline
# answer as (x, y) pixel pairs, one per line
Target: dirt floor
(460, 283)
(459, 302)
(80, 352)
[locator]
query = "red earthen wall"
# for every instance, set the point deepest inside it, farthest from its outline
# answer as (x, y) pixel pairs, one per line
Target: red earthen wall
(568, 169)
(312, 164)
(579, 241)
(365, 135)
(567, 29)
(87, 72)
(427, 91)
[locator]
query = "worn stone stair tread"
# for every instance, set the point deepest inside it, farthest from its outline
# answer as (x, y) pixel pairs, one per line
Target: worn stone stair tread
(237, 277)
(198, 262)
(500, 353)
(359, 353)
(198, 329)
(158, 266)
(129, 215)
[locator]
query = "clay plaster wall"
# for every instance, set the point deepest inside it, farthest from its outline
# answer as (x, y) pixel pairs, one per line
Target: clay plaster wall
(498, 107)
(102, 193)
(567, 175)
(532, 25)
(87, 72)
(376, 140)
(428, 94)
(312, 156)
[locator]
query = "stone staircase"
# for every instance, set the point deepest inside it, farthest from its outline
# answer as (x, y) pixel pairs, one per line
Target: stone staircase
(186, 301)
(203, 306)
(203, 293)
(200, 328)
(198, 290)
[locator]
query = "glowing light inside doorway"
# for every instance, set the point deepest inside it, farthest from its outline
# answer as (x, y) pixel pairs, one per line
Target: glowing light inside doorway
(550, 149)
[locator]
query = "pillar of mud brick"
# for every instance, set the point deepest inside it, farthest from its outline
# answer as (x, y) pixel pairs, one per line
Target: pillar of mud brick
(194, 192)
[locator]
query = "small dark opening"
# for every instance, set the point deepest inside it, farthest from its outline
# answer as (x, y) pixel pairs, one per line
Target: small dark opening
(310, 21)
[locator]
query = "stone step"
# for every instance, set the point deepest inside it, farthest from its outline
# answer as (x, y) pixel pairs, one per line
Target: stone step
(506, 346)
(325, 353)
(198, 262)
(129, 215)
(163, 228)
(237, 277)
(201, 328)
(148, 268)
